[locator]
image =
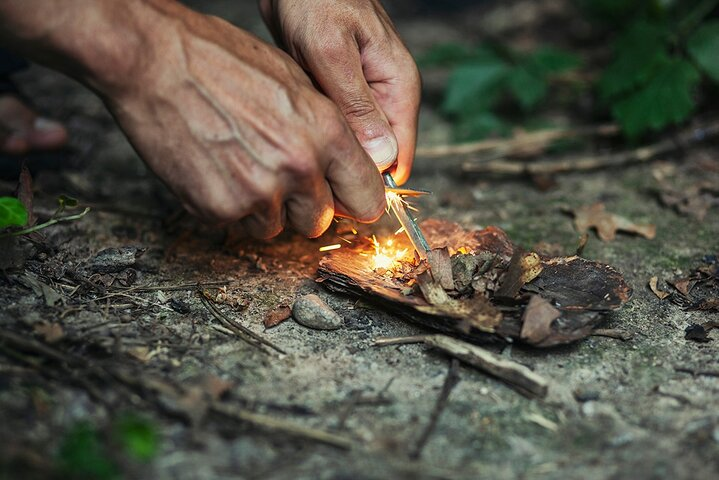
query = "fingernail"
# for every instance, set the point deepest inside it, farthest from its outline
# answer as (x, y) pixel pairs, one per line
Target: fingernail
(382, 150)
(43, 124)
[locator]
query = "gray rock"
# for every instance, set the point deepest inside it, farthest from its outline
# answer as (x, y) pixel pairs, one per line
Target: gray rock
(312, 312)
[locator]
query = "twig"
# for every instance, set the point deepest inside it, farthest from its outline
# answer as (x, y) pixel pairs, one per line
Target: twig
(585, 163)
(611, 333)
(450, 381)
(174, 288)
(523, 141)
(240, 330)
(702, 373)
(271, 423)
(514, 374)
(49, 223)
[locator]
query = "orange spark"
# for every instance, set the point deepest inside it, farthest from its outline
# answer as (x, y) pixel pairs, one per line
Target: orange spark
(327, 248)
(386, 256)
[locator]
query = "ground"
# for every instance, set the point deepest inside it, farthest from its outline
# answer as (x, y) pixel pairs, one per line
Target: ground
(616, 409)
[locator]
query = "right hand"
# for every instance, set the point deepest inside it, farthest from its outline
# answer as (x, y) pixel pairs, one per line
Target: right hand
(235, 128)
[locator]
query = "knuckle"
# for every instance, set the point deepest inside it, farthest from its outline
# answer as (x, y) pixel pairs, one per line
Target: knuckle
(358, 107)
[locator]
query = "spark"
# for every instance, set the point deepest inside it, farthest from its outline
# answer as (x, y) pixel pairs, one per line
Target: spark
(399, 230)
(386, 256)
(327, 248)
(345, 240)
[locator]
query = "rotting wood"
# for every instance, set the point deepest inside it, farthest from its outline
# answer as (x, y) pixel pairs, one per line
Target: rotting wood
(519, 144)
(514, 374)
(593, 162)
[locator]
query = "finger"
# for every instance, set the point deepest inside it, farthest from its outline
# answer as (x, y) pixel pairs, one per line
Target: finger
(338, 71)
(310, 214)
(267, 224)
(400, 101)
(354, 179)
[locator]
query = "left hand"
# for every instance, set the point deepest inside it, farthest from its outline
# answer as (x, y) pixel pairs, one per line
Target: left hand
(353, 53)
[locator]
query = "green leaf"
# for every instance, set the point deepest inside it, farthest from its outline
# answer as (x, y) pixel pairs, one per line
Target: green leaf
(83, 455)
(480, 125)
(666, 99)
(528, 88)
(703, 46)
(639, 52)
(445, 55)
(12, 212)
(138, 436)
(474, 87)
(549, 60)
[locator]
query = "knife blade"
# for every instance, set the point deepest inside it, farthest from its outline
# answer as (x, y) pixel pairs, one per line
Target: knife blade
(400, 210)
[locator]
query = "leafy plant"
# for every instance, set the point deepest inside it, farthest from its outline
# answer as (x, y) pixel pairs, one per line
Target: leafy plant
(137, 436)
(83, 454)
(486, 76)
(661, 53)
(12, 212)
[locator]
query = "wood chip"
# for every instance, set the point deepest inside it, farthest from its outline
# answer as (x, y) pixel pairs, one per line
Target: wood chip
(431, 289)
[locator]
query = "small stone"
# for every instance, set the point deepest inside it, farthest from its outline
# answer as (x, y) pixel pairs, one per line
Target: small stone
(312, 312)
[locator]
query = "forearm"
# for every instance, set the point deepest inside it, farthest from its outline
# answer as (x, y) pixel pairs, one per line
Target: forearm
(102, 43)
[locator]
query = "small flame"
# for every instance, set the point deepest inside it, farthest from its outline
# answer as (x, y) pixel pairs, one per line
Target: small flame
(386, 256)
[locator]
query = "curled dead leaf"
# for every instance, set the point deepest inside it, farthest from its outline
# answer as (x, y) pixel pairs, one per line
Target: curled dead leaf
(608, 224)
(655, 289)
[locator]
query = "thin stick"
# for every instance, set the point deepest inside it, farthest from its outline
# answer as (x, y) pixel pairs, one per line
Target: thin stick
(611, 333)
(175, 288)
(450, 381)
(586, 163)
(514, 374)
(243, 332)
(701, 373)
(49, 223)
(519, 142)
(271, 423)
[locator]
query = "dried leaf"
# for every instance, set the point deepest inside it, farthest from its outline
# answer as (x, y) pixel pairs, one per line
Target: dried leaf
(441, 267)
(51, 332)
(537, 320)
(531, 267)
(277, 316)
(684, 285)
(608, 224)
(655, 289)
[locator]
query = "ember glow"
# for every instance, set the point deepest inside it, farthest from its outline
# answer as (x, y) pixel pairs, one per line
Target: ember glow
(386, 255)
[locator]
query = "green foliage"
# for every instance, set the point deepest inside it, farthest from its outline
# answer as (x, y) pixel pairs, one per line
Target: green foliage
(12, 212)
(662, 50)
(484, 78)
(83, 455)
(703, 46)
(137, 436)
(664, 100)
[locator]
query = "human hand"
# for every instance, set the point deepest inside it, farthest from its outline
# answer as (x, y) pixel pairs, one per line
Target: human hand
(352, 51)
(236, 129)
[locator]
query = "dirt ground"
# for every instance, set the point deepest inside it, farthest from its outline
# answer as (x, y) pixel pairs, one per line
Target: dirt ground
(616, 409)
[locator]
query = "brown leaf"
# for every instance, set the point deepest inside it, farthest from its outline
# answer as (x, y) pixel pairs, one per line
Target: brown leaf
(537, 320)
(608, 224)
(277, 316)
(684, 285)
(694, 201)
(25, 195)
(655, 289)
(441, 267)
(51, 332)
(531, 267)
(512, 281)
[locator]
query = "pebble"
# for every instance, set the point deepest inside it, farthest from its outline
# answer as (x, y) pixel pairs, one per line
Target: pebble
(312, 312)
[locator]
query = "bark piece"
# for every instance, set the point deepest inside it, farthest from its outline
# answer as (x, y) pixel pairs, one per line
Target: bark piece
(607, 224)
(312, 312)
(581, 290)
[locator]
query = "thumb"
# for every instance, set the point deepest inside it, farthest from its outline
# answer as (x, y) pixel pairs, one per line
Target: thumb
(340, 76)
